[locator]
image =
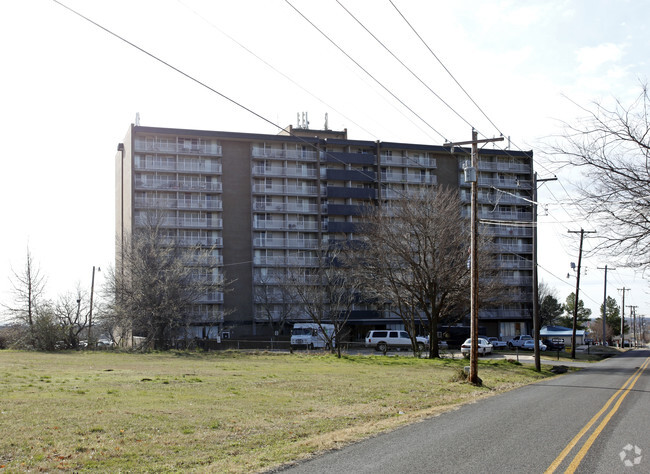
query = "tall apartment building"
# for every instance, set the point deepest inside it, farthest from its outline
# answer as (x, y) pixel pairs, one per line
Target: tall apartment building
(266, 202)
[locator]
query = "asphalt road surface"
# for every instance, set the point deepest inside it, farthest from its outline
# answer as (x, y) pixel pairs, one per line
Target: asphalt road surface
(596, 420)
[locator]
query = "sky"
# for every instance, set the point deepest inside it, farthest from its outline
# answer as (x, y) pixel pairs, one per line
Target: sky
(69, 91)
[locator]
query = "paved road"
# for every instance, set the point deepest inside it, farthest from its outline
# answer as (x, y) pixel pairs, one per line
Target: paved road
(525, 430)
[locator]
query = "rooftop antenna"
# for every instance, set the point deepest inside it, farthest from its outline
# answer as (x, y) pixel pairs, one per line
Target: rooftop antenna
(137, 119)
(326, 121)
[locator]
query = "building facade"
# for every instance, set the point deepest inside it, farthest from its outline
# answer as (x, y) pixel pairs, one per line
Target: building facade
(265, 203)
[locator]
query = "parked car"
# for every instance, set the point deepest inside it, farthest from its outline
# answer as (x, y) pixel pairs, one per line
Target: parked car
(384, 340)
(484, 347)
(529, 345)
(554, 346)
(496, 343)
(442, 345)
(518, 341)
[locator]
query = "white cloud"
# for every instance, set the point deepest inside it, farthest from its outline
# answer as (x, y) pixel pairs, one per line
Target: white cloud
(591, 58)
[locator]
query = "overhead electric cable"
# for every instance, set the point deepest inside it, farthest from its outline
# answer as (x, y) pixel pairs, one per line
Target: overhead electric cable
(256, 56)
(444, 67)
(364, 69)
(404, 65)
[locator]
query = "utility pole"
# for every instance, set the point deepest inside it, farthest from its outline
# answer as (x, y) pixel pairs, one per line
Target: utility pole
(582, 233)
(538, 363)
(471, 175)
(623, 317)
(605, 304)
(90, 312)
(633, 313)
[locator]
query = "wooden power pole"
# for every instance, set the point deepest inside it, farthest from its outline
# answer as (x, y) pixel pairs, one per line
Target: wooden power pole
(471, 176)
(582, 233)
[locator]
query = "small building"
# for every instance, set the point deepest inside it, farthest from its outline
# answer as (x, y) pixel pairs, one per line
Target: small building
(555, 333)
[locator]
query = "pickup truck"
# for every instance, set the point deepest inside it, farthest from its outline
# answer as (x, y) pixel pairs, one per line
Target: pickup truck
(518, 341)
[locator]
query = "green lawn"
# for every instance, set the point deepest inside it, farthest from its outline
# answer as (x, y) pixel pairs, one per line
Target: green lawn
(215, 412)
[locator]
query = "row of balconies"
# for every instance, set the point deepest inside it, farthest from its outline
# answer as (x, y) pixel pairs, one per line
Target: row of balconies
(306, 155)
(203, 241)
(213, 298)
(178, 185)
(289, 261)
(283, 279)
(505, 215)
(312, 155)
(422, 162)
(283, 171)
(183, 167)
(285, 243)
(504, 231)
(184, 222)
(500, 182)
(395, 177)
(289, 207)
(499, 166)
(494, 198)
(518, 264)
(171, 203)
(205, 260)
(306, 190)
(512, 248)
(211, 149)
(286, 225)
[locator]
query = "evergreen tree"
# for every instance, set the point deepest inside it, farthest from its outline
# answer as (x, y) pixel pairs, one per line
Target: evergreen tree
(582, 320)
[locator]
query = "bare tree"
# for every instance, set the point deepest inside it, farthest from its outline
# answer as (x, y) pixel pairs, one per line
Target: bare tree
(326, 294)
(156, 282)
(72, 311)
(275, 300)
(611, 147)
(414, 258)
(28, 288)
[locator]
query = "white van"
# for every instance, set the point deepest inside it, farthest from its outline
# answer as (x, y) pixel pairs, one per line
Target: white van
(311, 335)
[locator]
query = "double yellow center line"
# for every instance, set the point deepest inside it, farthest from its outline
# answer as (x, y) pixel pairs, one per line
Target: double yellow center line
(623, 391)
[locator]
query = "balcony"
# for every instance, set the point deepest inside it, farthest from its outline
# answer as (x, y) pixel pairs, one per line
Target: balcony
(207, 149)
(281, 171)
(183, 167)
(303, 155)
(417, 178)
(520, 264)
(305, 190)
(173, 185)
(285, 243)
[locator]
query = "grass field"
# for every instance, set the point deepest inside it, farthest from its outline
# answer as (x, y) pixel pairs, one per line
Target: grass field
(215, 412)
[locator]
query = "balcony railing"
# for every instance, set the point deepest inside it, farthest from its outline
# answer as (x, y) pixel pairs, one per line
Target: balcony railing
(290, 207)
(285, 243)
(178, 185)
(305, 155)
(183, 167)
(199, 149)
(282, 171)
(284, 225)
(284, 189)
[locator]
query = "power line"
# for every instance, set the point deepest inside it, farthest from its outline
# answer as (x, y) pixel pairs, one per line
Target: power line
(403, 64)
(364, 69)
(443, 66)
(256, 56)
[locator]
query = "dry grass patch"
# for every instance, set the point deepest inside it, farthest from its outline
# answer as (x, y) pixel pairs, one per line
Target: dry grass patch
(216, 412)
